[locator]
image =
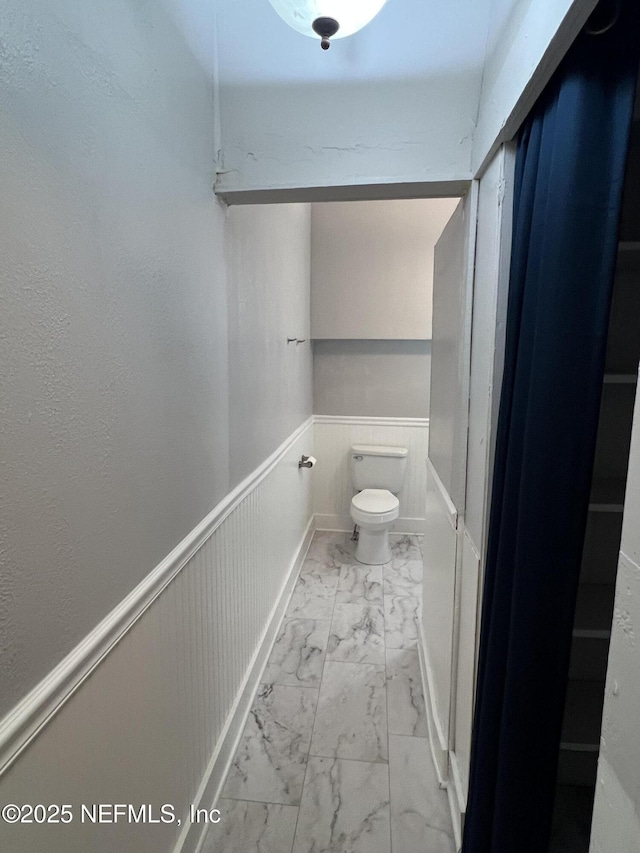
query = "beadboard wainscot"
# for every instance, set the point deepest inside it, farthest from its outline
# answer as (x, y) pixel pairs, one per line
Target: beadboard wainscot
(334, 436)
(148, 709)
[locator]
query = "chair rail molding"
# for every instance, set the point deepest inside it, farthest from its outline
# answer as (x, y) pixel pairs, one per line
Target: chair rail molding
(21, 725)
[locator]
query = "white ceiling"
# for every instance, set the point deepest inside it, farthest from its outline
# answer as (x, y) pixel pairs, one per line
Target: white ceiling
(408, 39)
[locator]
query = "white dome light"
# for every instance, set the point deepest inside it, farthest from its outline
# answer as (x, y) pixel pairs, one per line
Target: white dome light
(350, 15)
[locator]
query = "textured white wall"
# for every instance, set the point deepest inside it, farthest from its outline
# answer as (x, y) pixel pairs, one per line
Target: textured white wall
(395, 102)
(423, 93)
(490, 289)
(114, 344)
(372, 267)
(270, 385)
(114, 333)
(372, 378)
(166, 702)
(616, 821)
(525, 43)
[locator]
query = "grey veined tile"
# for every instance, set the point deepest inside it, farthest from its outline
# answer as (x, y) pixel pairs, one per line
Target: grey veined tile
(247, 827)
(351, 719)
(400, 621)
(313, 597)
(357, 634)
(298, 654)
(360, 585)
(331, 550)
(403, 577)
(318, 571)
(405, 700)
(403, 546)
(420, 816)
(345, 808)
(270, 763)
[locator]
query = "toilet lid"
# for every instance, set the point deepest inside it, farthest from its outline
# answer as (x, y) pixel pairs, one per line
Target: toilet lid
(375, 501)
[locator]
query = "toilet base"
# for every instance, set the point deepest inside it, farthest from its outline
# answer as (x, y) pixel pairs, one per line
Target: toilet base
(373, 546)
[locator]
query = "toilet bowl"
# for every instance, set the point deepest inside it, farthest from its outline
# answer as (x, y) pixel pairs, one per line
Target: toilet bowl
(377, 473)
(373, 510)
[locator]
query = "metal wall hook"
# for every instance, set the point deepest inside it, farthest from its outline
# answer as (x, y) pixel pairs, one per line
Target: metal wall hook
(300, 341)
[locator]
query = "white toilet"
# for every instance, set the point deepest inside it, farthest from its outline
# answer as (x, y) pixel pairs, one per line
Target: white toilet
(377, 472)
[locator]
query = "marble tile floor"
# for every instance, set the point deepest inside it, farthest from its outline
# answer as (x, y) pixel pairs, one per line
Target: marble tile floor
(334, 757)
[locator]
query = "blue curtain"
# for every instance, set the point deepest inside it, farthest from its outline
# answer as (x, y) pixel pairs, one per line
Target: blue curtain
(569, 174)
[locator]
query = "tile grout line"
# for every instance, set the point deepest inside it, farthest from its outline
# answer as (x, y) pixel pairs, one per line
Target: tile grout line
(386, 694)
(315, 713)
(333, 758)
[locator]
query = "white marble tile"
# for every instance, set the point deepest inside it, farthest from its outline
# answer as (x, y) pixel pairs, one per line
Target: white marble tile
(404, 546)
(313, 596)
(403, 577)
(405, 700)
(319, 569)
(344, 809)
(400, 621)
(357, 634)
(420, 816)
(298, 654)
(330, 550)
(270, 762)
(351, 718)
(360, 585)
(247, 827)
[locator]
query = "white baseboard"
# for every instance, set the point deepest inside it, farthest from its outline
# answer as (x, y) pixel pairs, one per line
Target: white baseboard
(457, 800)
(413, 526)
(439, 746)
(444, 759)
(192, 837)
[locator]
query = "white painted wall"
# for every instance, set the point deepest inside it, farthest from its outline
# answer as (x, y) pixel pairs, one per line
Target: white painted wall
(490, 293)
(117, 330)
(491, 276)
(425, 93)
(332, 485)
(616, 815)
(114, 342)
(372, 378)
(372, 267)
(395, 102)
(270, 385)
(526, 41)
(158, 718)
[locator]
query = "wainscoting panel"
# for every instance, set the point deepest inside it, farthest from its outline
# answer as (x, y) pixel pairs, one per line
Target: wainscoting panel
(332, 484)
(153, 716)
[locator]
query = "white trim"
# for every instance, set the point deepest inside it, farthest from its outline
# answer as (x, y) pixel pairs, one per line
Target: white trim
(192, 836)
(366, 421)
(378, 191)
(456, 822)
(449, 508)
(459, 801)
(439, 751)
(31, 714)
(344, 523)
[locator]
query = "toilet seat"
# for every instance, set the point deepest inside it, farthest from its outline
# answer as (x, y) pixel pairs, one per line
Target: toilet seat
(377, 506)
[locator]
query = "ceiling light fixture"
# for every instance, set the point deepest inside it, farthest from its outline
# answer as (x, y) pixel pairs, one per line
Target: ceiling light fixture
(327, 19)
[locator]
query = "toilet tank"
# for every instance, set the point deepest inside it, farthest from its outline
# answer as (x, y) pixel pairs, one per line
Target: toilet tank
(377, 466)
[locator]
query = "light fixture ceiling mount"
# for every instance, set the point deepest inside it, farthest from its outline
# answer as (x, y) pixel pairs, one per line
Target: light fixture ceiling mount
(325, 28)
(327, 19)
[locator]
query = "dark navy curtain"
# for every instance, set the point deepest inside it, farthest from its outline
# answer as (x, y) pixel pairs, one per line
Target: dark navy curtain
(569, 175)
